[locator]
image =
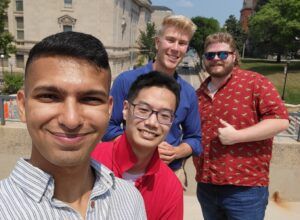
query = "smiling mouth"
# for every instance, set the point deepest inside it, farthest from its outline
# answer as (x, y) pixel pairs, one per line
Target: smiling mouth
(68, 135)
(148, 134)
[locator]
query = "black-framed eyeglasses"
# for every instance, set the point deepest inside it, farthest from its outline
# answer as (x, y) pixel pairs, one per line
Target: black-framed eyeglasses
(144, 111)
(221, 54)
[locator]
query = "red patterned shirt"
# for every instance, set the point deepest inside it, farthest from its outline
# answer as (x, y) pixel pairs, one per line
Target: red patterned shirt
(245, 99)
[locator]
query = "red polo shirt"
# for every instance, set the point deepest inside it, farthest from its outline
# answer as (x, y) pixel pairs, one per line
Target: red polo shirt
(160, 188)
(245, 99)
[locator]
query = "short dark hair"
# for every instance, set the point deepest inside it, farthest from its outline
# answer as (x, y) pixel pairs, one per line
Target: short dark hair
(154, 78)
(71, 44)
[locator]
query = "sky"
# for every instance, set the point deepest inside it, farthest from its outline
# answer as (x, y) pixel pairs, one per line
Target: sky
(218, 9)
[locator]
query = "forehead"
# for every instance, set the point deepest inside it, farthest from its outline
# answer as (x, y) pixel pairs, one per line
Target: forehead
(157, 97)
(218, 47)
(171, 31)
(67, 73)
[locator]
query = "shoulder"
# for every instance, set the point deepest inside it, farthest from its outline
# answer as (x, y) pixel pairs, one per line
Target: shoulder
(131, 75)
(249, 75)
(168, 177)
(184, 84)
(122, 189)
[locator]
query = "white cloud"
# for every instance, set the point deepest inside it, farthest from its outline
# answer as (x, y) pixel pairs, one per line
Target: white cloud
(185, 3)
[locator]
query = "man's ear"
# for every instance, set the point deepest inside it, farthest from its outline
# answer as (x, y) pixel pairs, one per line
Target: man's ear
(125, 110)
(21, 105)
(156, 39)
(110, 105)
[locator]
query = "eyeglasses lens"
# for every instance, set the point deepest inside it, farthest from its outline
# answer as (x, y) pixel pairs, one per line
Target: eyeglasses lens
(211, 55)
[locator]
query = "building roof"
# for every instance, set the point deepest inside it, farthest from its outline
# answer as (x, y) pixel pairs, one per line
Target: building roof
(160, 8)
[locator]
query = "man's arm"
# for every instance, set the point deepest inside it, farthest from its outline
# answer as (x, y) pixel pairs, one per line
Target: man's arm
(265, 129)
(191, 139)
(168, 153)
(119, 93)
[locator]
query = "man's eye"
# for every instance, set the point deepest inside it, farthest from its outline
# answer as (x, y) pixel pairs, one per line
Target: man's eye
(92, 100)
(165, 115)
(47, 97)
(143, 110)
(183, 43)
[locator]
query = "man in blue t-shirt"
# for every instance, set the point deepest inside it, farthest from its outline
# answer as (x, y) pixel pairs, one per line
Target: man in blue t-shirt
(184, 137)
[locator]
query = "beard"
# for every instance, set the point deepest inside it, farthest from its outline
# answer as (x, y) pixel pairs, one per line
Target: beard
(219, 69)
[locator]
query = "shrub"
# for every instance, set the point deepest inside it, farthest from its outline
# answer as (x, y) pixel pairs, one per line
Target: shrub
(12, 82)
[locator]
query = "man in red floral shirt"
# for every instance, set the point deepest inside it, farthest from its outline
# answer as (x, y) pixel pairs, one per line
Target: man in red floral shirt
(240, 111)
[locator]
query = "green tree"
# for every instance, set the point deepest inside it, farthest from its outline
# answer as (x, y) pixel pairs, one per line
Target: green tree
(6, 39)
(234, 27)
(275, 27)
(260, 3)
(12, 82)
(205, 27)
(146, 41)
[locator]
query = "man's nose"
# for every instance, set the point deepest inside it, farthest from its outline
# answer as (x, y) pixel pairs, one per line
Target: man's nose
(70, 116)
(152, 120)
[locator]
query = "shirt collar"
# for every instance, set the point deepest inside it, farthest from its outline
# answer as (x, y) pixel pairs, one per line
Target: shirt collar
(124, 158)
(36, 183)
(204, 86)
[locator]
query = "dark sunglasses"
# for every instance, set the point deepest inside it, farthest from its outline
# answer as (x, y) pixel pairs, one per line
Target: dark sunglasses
(221, 54)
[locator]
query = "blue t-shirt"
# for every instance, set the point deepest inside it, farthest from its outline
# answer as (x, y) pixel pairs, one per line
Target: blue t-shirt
(186, 126)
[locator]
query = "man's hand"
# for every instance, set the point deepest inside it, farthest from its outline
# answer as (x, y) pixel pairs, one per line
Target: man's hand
(228, 134)
(167, 152)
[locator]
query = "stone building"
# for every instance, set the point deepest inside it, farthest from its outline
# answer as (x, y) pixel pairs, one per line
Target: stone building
(247, 10)
(158, 14)
(115, 22)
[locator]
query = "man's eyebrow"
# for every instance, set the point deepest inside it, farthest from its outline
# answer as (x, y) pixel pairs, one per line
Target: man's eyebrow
(45, 88)
(94, 92)
(55, 89)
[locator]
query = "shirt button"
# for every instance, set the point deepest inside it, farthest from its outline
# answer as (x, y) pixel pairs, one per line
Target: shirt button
(92, 204)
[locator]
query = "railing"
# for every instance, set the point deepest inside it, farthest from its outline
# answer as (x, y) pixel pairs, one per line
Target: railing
(8, 109)
(294, 128)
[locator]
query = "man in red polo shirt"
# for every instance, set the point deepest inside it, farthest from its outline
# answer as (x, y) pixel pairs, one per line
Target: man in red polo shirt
(149, 112)
(240, 113)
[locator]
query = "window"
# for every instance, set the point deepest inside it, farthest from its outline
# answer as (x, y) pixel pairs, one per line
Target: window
(20, 60)
(19, 5)
(68, 3)
(67, 28)
(5, 22)
(20, 28)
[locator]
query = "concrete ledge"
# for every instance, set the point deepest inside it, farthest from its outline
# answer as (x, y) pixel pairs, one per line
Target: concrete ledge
(284, 169)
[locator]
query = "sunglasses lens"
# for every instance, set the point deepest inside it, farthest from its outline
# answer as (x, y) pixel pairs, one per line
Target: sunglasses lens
(210, 55)
(223, 55)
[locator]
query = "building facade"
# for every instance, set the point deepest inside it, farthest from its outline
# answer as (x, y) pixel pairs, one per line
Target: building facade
(247, 10)
(115, 22)
(158, 14)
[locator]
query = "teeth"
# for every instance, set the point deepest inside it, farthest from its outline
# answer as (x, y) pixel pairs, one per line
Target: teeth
(148, 134)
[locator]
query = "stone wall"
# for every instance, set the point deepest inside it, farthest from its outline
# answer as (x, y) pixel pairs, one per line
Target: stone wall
(284, 172)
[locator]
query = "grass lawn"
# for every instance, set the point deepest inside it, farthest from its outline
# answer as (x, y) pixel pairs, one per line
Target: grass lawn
(274, 71)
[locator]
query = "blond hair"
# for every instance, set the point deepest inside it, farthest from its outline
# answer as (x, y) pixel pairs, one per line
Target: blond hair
(223, 37)
(180, 22)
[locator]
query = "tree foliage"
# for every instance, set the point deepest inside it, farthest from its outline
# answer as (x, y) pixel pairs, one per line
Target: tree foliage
(275, 27)
(146, 41)
(205, 27)
(260, 3)
(6, 39)
(234, 27)
(12, 82)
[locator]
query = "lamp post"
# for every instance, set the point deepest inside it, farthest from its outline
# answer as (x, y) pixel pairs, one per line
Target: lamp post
(2, 63)
(285, 71)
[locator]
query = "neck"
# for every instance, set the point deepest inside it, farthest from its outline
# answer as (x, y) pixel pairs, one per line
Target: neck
(217, 82)
(73, 184)
(158, 67)
(143, 159)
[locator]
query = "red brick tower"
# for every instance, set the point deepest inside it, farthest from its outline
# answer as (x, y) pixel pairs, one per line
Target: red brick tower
(246, 12)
